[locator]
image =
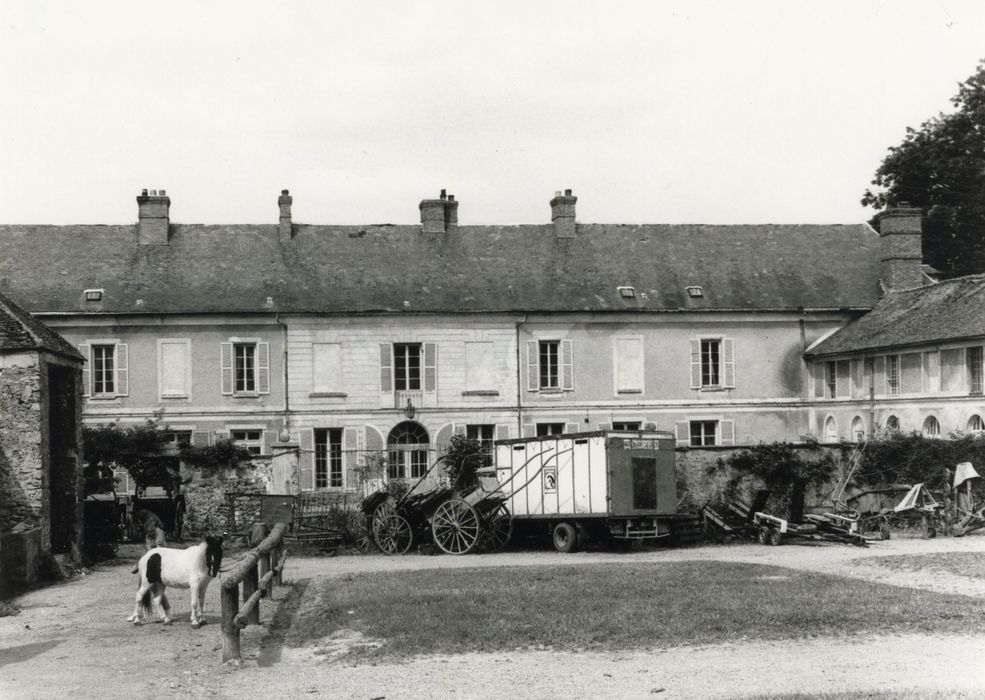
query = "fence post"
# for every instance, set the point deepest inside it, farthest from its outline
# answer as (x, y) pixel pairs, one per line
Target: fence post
(230, 632)
(276, 554)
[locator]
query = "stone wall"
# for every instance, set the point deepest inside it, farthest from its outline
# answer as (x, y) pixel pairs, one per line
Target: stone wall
(23, 473)
(206, 490)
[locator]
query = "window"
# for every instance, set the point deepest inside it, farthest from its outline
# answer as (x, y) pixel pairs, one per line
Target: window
(407, 447)
(712, 363)
(830, 380)
(176, 438)
(703, 432)
(892, 375)
(976, 424)
(105, 374)
(932, 427)
(103, 370)
(252, 440)
(545, 429)
(626, 425)
(830, 429)
(484, 434)
(627, 355)
(975, 369)
(328, 458)
(174, 367)
(326, 368)
(892, 423)
(407, 366)
(858, 429)
(245, 367)
(549, 366)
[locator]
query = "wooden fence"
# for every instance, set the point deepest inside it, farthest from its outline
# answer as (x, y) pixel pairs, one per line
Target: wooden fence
(257, 571)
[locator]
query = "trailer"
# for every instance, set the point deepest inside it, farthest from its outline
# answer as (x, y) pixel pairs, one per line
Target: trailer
(612, 485)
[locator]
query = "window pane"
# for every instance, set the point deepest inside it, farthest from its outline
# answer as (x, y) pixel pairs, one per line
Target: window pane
(710, 359)
(245, 368)
(103, 369)
(407, 366)
(328, 458)
(545, 429)
(549, 364)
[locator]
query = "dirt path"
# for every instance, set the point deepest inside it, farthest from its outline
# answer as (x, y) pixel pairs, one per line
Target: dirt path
(73, 638)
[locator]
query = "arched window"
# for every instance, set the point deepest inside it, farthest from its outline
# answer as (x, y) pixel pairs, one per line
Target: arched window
(830, 429)
(892, 423)
(858, 429)
(976, 424)
(407, 451)
(931, 427)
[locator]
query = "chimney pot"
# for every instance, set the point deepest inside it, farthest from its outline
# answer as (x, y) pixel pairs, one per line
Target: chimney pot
(285, 192)
(143, 192)
(442, 194)
(567, 193)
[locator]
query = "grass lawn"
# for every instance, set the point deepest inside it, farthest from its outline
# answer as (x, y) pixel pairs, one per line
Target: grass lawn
(970, 564)
(610, 607)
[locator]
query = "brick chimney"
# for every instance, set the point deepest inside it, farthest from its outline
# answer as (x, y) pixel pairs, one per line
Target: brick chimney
(439, 215)
(900, 247)
(286, 227)
(563, 214)
(153, 217)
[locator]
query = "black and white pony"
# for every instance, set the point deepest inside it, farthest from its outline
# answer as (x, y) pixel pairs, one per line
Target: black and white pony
(191, 568)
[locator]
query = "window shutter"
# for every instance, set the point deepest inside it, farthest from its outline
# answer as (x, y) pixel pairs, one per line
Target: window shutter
(728, 362)
(269, 438)
(503, 431)
(682, 430)
(352, 439)
(571, 427)
(218, 435)
(263, 368)
(529, 430)
(818, 372)
(533, 376)
(200, 438)
(567, 366)
(727, 429)
(226, 364)
(386, 367)
(605, 426)
(306, 459)
(86, 369)
(122, 370)
(374, 439)
(430, 366)
(695, 365)
(459, 429)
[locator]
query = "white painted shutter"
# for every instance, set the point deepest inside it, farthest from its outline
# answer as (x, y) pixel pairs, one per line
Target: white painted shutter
(571, 427)
(567, 366)
(728, 362)
(269, 438)
(200, 438)
(682, 430)
(352, 438)
(727, 428)
(529, 430)
(533, 375)
(430, 366)
(226, 366)
(503, 431)
(386, 367)
(695, 364)
(459, 429)
(86, 369)
(263, 368)
(306, 459)
(122, 370)
(605, 426)
(374, 439)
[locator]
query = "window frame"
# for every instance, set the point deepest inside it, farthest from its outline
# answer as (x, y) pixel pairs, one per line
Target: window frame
(894, 376)
(120, 370)
(712, 358)
(328, 462)
(975, 362)
(229, 370)
(703, 438)
(253, 445)
(186, 344)
(408, 369)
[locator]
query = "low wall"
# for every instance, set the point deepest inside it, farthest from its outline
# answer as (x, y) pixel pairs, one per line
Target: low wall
(205, 492)
(20, 557)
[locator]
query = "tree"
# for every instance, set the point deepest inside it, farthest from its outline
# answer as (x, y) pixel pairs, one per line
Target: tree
(940, 168)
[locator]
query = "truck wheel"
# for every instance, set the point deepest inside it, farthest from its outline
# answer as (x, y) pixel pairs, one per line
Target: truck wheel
(565, 538)
(774, 537)
(763, 536)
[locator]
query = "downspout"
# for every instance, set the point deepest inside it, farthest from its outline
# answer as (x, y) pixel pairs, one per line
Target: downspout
(287, 393)
(519, 381)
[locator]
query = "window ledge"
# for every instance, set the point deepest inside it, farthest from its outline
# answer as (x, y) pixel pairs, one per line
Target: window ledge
(715, 389)
(629, 391)
(166, 397)
(114, 397)
(328, 395)
(480, 392)
(245, 395)
(550, 391)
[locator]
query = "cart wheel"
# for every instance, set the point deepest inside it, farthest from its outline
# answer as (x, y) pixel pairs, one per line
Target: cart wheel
(392, 533)
(455, 527)
(179, 522)
(885, 532)
(763, 536)
(774, 538)
(565, 538)
(498, 528)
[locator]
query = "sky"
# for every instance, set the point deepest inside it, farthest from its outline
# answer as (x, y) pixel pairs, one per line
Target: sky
(716, 112)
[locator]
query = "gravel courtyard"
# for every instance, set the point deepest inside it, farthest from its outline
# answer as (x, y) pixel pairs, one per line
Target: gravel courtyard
(72, 639)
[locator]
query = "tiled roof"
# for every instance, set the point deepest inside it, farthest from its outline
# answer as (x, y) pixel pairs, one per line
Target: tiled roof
(20, 330)
(352, 269)
(950, 310)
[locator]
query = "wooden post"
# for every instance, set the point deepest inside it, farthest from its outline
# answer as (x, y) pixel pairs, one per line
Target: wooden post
(263, 566)
(230, 631)
(275, 555)
(249, 588)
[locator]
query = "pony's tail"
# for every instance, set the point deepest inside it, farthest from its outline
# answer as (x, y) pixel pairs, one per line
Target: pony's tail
(145, 602)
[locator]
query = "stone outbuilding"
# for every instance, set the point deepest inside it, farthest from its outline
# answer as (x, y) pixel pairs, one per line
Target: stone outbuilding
(41, 485)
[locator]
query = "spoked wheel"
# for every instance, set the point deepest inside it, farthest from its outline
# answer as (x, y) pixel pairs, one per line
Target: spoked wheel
(179, 522)
(498, 529)
(392, 532)
(455, 527)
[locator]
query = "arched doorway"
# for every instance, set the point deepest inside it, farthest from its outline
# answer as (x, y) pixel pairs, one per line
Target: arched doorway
(830, 430)
(407, 451)
(858, 429)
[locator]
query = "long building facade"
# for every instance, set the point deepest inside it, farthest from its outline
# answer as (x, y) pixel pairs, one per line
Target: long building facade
(388, 339)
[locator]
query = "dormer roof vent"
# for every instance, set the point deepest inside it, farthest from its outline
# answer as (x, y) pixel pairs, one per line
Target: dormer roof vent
(694, 291)
(93, 294)
(627, 292)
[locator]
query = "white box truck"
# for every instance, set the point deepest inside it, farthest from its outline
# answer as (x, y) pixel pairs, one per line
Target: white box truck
(604, 484)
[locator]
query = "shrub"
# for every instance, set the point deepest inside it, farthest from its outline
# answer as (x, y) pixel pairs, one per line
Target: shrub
(464, 456)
